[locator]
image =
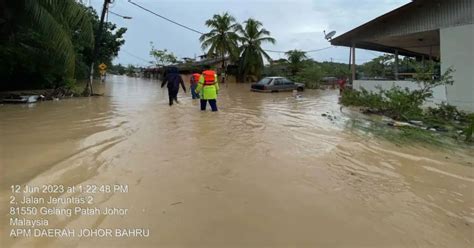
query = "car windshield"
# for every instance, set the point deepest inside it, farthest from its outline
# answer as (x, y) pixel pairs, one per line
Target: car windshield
(265, 81)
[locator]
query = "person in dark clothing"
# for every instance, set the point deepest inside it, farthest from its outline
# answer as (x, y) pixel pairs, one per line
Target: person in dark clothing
(173, 80)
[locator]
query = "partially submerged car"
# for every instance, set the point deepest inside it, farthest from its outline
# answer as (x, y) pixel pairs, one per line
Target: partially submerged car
(276, 84)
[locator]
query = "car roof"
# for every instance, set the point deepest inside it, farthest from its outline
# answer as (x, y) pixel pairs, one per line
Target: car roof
(275, 77)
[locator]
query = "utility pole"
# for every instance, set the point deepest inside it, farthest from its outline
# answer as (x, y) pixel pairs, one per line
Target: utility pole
(88, 90)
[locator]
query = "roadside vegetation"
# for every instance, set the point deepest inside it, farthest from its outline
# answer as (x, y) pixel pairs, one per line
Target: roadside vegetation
(300, 68)
(241, 43)
(405, 107)
(48, 44)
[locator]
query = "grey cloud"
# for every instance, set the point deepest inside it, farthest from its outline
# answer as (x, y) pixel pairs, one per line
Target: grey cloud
(295, 24)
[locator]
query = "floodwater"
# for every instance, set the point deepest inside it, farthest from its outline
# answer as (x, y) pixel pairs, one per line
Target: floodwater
(267, 170)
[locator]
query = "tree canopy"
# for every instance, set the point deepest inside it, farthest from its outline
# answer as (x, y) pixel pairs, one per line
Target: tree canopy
(252, 53)
(162, 57)
(48, 44)
(222, 39)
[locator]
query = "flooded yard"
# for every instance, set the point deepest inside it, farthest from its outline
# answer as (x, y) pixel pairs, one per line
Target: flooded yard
(267, 170)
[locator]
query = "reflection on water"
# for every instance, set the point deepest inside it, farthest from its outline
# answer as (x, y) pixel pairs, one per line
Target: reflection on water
(266, 170)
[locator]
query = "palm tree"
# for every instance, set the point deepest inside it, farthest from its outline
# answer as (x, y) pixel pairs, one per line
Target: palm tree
(295, 60)
(252, 54)
(222, 40)
(57, 20)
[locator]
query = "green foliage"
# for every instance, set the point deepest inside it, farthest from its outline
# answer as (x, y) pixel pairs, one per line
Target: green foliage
(469, 129)
(242, 44)
(381, 66)
(252, 54)
(445, 112)
(331, 69)
(310, 75)
(222, 39)
(295, 61)
(448, 115)
(110, 42)
(130, 71)
(426, 76)
(362, 98)
(162, 57)
(109, 46)
(384, 66)
(309, 72)
(406, 105)
(402, 104)
(46, 44)
(275, 69)
(60, 21)
(398, 103)
(117, 69)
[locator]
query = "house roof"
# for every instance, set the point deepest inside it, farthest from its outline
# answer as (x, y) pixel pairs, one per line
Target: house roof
(412, 29)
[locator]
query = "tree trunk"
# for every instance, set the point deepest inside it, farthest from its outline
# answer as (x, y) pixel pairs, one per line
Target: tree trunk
(223, 64)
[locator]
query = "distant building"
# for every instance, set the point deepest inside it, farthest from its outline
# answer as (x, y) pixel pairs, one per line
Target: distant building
(189, 66)
(440, 30)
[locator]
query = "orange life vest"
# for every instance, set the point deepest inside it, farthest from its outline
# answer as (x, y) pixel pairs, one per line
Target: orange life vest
(209, 77)
(196, 77)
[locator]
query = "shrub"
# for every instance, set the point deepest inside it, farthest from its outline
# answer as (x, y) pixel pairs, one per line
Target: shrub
(363, 98)
(310, 76)
(469, 130)
(445, 112)
(402, 104)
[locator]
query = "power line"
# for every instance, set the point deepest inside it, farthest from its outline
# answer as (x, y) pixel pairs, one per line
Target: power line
(309, 51)
(135, 56)
(167, 19)
(119, 15)
(201, 33)
(317, 50)
(273, 51)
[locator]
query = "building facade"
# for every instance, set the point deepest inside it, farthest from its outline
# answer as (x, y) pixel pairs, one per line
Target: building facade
(441, 30)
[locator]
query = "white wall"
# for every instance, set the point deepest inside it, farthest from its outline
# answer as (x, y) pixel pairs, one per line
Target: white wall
(439, 93)
(457, 50)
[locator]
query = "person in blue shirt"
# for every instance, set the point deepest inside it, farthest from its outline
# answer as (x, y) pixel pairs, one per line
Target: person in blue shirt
(172, 79)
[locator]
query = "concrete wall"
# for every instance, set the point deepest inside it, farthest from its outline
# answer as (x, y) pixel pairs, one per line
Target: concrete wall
(439, 93)
(457, 50)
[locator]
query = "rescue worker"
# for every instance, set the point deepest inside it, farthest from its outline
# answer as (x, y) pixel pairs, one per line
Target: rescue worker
(194, 82)
(208, 87)
(173, 80)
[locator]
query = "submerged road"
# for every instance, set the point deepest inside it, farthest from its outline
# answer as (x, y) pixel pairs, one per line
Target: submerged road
(267, 170)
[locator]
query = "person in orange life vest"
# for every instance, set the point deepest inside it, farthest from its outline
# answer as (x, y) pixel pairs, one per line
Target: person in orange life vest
(173, 80)
(208, 87)
(194, 82)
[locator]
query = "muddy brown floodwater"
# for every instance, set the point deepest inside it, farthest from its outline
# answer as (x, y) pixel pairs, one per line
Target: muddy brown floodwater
(267, 170)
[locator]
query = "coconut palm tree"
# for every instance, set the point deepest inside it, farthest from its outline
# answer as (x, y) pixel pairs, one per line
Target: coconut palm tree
(222, 40)
(295, 60)
(253, 35)
(57, 20)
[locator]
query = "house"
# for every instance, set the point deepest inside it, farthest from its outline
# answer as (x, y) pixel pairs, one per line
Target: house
(438, 30)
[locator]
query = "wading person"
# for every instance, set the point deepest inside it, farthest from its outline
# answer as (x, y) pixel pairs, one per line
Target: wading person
(208, 87)
(173, 80)
(194, 82)
(342, 84)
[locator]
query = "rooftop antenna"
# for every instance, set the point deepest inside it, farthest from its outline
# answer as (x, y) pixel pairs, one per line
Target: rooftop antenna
(329, 35)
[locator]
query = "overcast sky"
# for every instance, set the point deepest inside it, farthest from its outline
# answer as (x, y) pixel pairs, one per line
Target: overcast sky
(295, 24)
